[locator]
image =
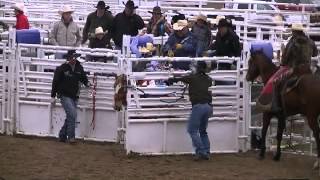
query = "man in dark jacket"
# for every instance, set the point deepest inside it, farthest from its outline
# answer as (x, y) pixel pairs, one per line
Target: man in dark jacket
(65, 85)
(201, 98)
(227, 43)
(100, 18)
(126, 23)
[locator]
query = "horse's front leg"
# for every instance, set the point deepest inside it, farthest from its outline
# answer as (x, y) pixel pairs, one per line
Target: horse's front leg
(266, 122)
(281, 126)
(314, 126)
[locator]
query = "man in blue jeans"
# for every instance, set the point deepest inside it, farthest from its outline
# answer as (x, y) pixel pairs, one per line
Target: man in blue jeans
(65, 85)
(201, 99)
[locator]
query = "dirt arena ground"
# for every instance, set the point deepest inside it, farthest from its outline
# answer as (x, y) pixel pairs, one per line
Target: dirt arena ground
(47, 159)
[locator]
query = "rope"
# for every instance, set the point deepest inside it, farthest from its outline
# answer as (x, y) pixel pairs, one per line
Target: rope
(94, 92)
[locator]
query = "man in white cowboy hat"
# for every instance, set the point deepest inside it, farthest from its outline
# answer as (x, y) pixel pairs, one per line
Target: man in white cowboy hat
(126, 23)
(65, 32)
(22, 20)
(298, 37)
(297, 52)
(99, 18)
(202, 31)
(181, 43)
(158, 25)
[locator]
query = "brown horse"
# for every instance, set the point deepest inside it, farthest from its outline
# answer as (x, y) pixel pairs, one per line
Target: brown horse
(302, 99)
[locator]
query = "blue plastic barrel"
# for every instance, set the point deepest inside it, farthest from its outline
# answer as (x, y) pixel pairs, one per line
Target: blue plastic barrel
(266, 48)
(28, 36)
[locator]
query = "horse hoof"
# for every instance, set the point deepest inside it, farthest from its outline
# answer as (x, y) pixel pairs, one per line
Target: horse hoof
(276, 158)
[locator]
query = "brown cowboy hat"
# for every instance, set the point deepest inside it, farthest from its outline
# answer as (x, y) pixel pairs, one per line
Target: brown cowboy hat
(156, 10)
(130, 5)
(102, 5)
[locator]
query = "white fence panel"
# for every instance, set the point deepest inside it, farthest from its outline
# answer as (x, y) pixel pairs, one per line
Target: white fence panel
(35, 114)
(157, 127)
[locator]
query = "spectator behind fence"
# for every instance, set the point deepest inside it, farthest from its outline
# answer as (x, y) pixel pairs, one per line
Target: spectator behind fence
(100, 18)
(65, 32)
(100, 40)
(201, 30)
(65, 85)
(181, 43)
(227, 43)
(126, 23)
(158, 25)
(22, 20)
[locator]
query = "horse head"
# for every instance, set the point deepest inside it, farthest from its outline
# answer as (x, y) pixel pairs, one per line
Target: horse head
(253, 65)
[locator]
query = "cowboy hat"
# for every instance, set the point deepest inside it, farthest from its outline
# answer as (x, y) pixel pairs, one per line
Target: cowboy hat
(156, 10)
(201, 17)
(99, 30)
(71, 54)
(102, 5)
(64, 9)
(18, 6)
(297, 27)
(223, 23)
(130, 5)
(178, 26)
(217, 19)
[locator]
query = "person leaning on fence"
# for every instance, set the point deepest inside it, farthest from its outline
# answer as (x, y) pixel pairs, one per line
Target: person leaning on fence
(65, 85)
(202, 31)
(22, 20)
(181, 43)
(100, 18)
(158, 25)
(126, 23)
(226, 44)
(65, 32)
(201, 99)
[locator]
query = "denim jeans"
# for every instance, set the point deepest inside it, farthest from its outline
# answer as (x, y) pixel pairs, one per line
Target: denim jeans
(70, 107)
(197, 128)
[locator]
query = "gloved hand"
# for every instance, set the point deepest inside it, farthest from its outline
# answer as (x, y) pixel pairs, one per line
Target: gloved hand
(170, 53)
(53, 101)
(89, 84)
(178, 46)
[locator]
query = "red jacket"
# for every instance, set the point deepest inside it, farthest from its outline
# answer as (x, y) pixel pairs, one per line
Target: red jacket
(22, 21)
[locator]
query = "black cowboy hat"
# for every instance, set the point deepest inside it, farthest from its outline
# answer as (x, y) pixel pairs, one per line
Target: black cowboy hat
(201, 66)
(156, 10)
(71, 54)
(102, 5)
(223, 23)
(130, 5)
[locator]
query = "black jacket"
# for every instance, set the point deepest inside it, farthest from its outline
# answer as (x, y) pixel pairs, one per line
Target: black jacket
(199, 85)
(93, 21)
(66, 82)
(125, 25)
(227, 45)
(103, 43)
